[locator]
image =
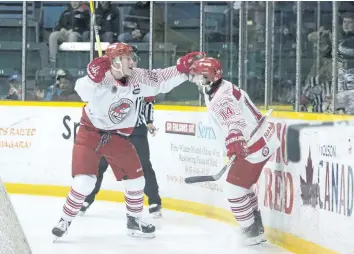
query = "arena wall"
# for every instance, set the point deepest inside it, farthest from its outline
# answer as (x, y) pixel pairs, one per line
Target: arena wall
(306, 206)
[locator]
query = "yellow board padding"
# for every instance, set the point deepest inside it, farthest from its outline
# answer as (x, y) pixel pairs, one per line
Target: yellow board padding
(277, 114)
(282, 239)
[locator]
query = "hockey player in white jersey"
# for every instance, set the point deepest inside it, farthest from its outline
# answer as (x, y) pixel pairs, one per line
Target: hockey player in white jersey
(111, 87)
(232, 110)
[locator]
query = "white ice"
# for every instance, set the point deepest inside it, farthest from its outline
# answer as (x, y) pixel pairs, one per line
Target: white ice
(103, 231)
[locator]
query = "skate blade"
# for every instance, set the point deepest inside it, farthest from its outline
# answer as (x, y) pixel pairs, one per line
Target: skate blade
(56, 238)
(263, 239)
(252, 241)
(157, 215)
(139, 234)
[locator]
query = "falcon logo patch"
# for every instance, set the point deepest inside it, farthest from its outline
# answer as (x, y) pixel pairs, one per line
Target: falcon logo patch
(119, 110)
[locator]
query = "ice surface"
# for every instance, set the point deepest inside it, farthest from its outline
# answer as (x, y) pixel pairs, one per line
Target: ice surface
(103, 231)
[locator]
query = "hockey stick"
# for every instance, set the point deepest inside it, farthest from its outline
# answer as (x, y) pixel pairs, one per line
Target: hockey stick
(212, 178)
(95, 28)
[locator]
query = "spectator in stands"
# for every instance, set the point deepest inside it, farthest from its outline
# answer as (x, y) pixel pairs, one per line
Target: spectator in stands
(347, 26)
(15, 91)
(39, 93)
(318, 85)
(63, 88)
(73, 22)
(136, 25)
(108, 21)
(325, 35)
(61, 75)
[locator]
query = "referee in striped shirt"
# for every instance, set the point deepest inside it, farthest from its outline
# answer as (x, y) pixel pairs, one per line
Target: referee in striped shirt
(317, 92)
(139, 138)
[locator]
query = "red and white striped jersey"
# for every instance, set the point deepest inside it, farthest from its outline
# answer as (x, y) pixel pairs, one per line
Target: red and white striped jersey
(111, 105)
(232, 109)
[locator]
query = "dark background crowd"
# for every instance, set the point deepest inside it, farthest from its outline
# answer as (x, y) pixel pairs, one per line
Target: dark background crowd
(58, 42)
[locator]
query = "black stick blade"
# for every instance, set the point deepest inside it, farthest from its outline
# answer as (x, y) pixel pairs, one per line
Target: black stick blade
(198, 179)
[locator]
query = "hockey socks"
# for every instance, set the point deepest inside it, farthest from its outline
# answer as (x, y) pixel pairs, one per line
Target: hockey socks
(254, 200)
(240, 204)
(134, 200)
(134, 196)
(81, 187)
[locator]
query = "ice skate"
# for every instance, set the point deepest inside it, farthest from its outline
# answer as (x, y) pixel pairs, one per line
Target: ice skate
(258, 220)
(155, 211)
(83, 209)
(60, 229)
(140, 229)
(251, 235)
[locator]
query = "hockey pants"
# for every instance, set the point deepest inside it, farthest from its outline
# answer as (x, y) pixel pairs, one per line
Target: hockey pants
(139, 139)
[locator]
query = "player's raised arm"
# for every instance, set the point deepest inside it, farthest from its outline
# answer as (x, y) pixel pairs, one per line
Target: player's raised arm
(118, 68)
(164, 80)
(96, 73)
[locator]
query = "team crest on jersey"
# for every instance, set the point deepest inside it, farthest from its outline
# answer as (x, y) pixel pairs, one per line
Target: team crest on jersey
(265, 151)
(119, 110)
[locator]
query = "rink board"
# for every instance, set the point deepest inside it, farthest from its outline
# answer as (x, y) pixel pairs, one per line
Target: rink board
(309, 216)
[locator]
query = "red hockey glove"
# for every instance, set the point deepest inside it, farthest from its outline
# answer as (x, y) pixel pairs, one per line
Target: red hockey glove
(97, 68)
(236, 144)
(184, 63)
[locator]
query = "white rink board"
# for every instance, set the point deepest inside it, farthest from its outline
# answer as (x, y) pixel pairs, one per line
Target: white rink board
(325, 213)
(45, 158)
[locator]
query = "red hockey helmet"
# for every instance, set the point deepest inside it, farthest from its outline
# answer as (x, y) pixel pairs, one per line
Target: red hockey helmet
(115, 50)
(123, 58)
(209, 67)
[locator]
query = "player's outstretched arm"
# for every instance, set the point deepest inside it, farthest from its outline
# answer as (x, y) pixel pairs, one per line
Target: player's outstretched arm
(164, 80)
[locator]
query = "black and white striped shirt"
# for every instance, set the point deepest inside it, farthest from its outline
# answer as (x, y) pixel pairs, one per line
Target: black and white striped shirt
(145, 108)
(317, 91)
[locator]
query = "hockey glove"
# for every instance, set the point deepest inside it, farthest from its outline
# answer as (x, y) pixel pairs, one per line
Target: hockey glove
(236, 144)
(97, 68)
(184, 63)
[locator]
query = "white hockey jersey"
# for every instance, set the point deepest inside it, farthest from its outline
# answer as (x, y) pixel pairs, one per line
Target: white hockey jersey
(231, 108)
(111, 106)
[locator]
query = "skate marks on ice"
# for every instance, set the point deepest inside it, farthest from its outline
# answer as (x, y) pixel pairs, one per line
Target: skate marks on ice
(102, 230)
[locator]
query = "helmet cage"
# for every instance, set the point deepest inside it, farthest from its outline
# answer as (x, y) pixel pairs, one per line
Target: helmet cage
(132, 56)
(199, 79)
(205, 72)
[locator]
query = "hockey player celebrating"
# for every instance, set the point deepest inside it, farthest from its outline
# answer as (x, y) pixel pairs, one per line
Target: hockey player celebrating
(111, 87)
(249, 137)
